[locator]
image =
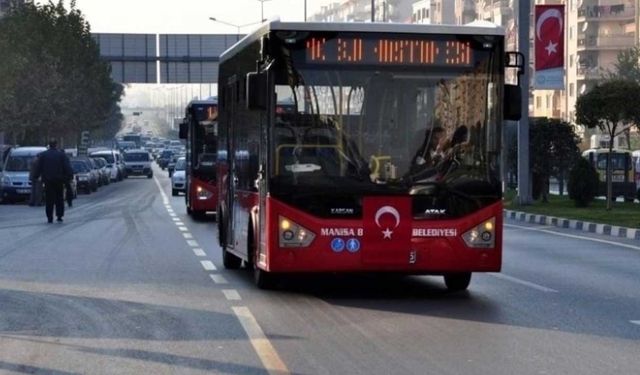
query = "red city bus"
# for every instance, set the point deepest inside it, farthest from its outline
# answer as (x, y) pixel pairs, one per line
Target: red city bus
(387, 161)
(199, 129)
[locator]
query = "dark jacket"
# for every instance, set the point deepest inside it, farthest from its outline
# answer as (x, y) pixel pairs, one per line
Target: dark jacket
(54, 166)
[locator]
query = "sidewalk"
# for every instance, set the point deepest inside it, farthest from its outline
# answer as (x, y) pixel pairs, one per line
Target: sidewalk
(585, 226)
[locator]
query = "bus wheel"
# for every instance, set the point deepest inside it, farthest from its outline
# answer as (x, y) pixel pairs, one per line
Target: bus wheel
(230, 261)
(457, 282)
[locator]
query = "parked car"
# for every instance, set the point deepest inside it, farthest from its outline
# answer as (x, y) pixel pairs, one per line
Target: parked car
(116, 172)
(178, 179)
(105, 173)
(138, 162)
(14, 177)
(85, 180)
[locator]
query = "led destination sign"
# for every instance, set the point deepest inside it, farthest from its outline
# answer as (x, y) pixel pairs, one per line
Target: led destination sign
(381, 50)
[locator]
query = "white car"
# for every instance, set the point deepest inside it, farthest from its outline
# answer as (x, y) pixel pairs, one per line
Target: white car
(178, 179)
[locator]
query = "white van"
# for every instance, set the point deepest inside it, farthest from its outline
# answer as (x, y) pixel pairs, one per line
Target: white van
(138, 162)
(14, 177)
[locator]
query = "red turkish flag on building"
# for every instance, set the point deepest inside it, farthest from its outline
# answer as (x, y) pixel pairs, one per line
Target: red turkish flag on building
(549, 37)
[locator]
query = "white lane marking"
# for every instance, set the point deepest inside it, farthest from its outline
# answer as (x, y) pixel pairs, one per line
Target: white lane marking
(523, 282)
(187, 235)
(208, 265)
(199, 252)
(170, 211)
(219, 279)
(179, 223)
(193, 243)
(164, 196)
(576, 237)
(183, 229)
(176, 219)
(231, 294)
(172, 215)
(261, 344)
(635, 322)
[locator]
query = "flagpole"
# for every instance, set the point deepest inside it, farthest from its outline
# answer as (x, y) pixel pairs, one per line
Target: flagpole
(524, 184)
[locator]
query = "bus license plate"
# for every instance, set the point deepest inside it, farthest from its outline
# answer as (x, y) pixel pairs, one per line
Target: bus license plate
(23, 191)
(617, 178)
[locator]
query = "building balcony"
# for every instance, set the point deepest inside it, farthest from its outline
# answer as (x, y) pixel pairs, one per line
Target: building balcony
(606, 42)
(588, 73)
(596, 13)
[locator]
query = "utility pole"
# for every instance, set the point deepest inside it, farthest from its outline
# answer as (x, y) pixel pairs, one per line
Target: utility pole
(373, 10)
(524, 183)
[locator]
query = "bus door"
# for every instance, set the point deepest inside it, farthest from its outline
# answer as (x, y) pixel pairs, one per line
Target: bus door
(232, 181)
(267, 119)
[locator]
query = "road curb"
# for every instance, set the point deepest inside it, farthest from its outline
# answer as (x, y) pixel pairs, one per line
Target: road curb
(585, 226)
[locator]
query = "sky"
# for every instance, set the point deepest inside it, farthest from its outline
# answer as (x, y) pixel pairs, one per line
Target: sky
(188, 16)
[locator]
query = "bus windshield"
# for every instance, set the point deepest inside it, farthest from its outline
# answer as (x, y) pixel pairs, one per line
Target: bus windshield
(389, 128)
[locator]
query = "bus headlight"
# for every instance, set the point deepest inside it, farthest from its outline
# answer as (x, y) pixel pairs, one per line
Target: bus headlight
(203, 193)
(292, 234)
(481, 236)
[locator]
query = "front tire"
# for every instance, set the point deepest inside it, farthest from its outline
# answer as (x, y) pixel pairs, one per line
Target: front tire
(230, 261)
(457, 282)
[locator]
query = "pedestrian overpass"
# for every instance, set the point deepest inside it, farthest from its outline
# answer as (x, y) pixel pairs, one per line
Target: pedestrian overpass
(164, 58)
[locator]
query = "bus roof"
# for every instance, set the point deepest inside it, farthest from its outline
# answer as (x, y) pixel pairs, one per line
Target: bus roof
(474, 28)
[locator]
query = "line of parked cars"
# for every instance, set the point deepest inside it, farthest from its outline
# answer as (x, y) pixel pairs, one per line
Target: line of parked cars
(100, 167)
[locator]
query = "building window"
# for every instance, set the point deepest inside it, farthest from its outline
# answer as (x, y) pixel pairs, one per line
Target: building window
(570, 61)
(538, 102)
(572, 90)
(548, 102)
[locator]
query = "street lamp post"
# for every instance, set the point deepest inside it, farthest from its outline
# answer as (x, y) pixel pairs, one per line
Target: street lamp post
(262, 8)
(238, 27)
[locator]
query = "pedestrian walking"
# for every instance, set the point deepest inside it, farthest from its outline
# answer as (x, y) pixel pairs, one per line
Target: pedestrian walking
(35, 199)
(55, 170)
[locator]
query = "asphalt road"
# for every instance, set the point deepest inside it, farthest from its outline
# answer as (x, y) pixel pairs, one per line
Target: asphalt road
(130, 284)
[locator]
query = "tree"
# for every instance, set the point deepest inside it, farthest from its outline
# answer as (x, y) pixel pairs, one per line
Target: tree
(52, 81)
(553, 150)
(611, 106)
(627, 68)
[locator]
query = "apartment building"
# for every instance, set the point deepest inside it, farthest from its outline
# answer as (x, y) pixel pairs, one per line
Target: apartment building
(360, 11)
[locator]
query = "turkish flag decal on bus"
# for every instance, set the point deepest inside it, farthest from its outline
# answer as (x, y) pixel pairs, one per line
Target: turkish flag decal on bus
(387, 230)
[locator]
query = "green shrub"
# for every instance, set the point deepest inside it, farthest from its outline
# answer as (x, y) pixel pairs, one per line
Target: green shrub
(583, 183)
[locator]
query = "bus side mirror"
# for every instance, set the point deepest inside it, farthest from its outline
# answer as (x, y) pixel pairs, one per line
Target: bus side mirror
(184, 129)
(512, 102)
(256, 91)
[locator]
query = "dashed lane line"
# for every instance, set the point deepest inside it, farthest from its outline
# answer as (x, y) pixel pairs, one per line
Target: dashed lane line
(636, 322)
(523, 282)
(183, 229)
(199, 252)
(208, 265)
(175, 219)
(193, 243)
(231, 294)
(261, 344)
(187, 236)
(218, 279)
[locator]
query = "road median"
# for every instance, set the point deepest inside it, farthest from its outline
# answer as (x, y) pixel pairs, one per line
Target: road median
(622, 221)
